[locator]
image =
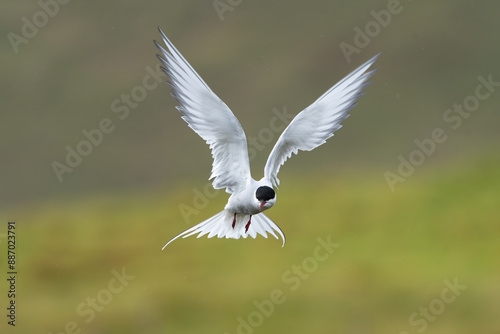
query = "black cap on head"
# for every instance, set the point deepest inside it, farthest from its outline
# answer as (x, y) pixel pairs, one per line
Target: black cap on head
(264, 193)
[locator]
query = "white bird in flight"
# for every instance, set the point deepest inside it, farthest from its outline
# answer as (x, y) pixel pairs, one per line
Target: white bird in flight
(213, 121)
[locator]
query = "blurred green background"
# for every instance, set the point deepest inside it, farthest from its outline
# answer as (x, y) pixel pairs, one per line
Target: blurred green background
(400, 246)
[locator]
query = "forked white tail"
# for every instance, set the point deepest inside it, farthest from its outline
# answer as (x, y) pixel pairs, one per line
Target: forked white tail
(220, 225)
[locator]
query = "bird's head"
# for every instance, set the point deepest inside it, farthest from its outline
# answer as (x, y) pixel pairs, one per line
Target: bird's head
(265, 197)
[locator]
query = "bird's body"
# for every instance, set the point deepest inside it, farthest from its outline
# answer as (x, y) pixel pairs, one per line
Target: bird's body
(210, 117)
(239, 202)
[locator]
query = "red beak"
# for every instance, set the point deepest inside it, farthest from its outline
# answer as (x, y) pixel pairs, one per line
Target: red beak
(261, 205)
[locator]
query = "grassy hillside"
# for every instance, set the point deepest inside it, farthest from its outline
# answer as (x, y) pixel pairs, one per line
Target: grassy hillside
(396, 254)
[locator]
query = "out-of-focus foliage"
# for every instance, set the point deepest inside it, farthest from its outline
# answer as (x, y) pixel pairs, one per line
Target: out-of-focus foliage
(395, 252)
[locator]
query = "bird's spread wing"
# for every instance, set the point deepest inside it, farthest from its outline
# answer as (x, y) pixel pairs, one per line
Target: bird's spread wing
(315, 124)
(210, 118)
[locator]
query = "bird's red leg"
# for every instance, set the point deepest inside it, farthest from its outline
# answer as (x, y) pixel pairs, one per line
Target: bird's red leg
(234, 219)
(248, 224)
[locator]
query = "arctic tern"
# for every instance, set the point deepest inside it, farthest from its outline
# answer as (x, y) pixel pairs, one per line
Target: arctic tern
(213, 121)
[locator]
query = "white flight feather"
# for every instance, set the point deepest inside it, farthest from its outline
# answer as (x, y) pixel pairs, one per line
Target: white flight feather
(210, 118)
(315, 124)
